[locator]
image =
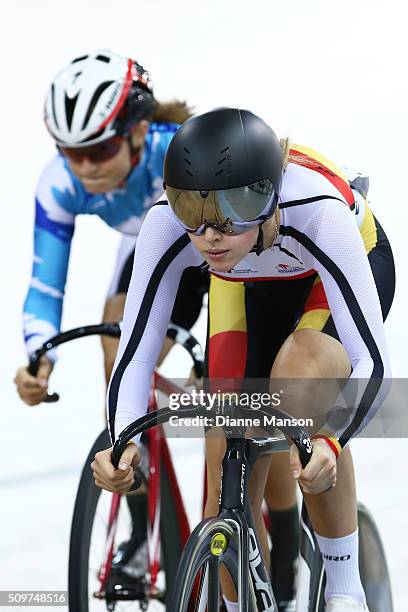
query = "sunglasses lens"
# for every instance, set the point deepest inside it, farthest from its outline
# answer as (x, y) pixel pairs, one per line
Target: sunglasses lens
(232, 211)
(97, 153)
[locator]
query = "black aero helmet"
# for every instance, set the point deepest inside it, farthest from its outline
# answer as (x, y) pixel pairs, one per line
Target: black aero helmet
(223, 168)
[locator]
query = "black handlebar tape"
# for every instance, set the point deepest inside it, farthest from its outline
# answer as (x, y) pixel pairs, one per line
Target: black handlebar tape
(50, 398)
(117, 452)
(33, 368)
(304, 447)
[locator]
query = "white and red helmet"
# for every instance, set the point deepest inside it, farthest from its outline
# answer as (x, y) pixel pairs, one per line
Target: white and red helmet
(96, 97)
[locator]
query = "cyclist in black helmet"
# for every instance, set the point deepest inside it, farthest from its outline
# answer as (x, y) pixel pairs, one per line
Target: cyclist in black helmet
(302, 278)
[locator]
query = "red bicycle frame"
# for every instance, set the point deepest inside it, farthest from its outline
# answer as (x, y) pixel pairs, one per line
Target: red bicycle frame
(158, 452)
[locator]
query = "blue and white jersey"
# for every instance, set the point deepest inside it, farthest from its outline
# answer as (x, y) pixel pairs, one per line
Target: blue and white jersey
(59, 199)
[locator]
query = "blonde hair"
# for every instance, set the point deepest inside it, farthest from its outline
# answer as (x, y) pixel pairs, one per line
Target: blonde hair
(285, 146)
(294, 156)
(175, 111)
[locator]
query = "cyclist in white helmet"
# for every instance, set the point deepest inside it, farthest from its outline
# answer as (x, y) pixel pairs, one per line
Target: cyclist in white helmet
(111, 135)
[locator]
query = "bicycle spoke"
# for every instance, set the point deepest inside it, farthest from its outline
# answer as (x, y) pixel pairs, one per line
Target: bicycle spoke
(202, 596)
(214, 585)
(128, 587)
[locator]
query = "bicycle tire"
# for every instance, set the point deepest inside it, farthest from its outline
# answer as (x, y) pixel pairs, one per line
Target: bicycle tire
(373, 564)
(318, 602)
(81, 532)
(81, 529)
(196, 555)
(318, 582)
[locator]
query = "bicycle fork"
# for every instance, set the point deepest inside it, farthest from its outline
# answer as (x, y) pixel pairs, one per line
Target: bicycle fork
(234, 508)
(310, 570)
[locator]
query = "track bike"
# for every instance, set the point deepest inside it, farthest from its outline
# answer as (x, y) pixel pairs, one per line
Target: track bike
(102, 521)
(310, 591)
(230, 538)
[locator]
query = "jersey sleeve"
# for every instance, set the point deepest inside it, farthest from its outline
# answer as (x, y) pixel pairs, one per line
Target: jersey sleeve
(333, 240)
(163, 251)
(160, 144)
(53, 230)
(165, 139)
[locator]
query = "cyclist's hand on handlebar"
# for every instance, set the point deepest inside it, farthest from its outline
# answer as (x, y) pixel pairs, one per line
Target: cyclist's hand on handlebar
(33, 389)
(120, 480)
(320, 473)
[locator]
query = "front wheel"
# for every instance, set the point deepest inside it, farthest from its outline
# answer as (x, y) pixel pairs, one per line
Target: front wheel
(373, 564)
(93, 546)
(197, 585)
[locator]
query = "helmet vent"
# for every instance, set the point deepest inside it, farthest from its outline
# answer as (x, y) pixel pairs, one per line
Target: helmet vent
(187, 162)
(79, 59)
(53, 105)
(70, 104)
(99, 91)
(94, 136)
(103, 58)
(223, 160)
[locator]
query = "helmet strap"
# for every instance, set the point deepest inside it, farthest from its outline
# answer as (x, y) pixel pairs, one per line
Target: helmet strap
(259, 246)
(135, 152)
(135, 155)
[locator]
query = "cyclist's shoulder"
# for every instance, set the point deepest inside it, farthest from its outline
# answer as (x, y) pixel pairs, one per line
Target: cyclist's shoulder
(159, 137)
(161, 209)
(161, 216)
(58, 186)
(307, 157)
(162, 234)
(310, 158)
(164, 128)
(309, 174)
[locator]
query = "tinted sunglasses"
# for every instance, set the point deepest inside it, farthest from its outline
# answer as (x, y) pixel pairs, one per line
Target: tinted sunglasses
(230, 211)
(96, 153)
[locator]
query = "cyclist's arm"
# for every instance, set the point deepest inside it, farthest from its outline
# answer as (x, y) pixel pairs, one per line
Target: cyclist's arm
(54, 227)
(163, 251)
(333, 239)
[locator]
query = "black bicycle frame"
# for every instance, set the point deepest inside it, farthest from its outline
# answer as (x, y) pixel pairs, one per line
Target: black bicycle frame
(239, 458)
(238, 462)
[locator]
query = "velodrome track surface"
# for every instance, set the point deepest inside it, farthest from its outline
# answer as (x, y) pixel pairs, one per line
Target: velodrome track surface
(326, 74)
